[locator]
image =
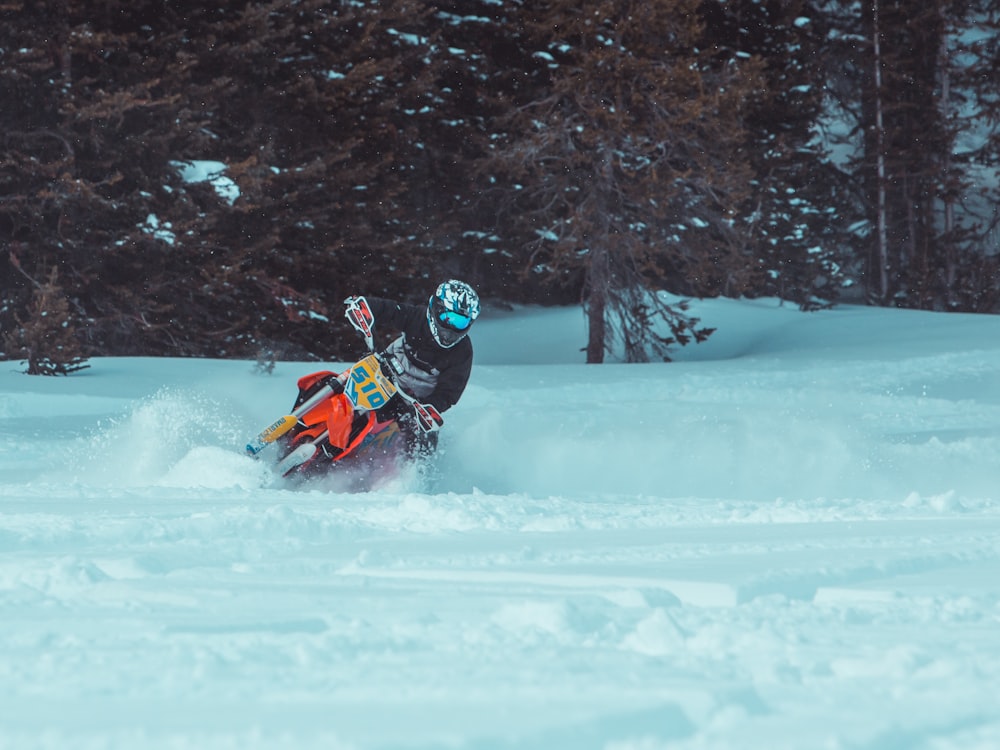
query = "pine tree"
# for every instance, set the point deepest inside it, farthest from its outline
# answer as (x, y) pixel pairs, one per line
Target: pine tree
(966, 272)
(45, 339)
(326, 117)
(799, 213)
(927, 158)
(628, 171)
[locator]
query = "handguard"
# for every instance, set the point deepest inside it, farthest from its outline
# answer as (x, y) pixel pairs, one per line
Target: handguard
(361, 317)
(428, 417)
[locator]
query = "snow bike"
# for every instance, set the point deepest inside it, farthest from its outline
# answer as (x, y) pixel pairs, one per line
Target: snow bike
(348, 418)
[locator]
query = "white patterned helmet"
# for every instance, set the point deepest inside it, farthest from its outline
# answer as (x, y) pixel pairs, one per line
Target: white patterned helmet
(451, 311)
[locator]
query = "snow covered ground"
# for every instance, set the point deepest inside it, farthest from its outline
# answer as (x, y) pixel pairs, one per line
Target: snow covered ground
(787, 538)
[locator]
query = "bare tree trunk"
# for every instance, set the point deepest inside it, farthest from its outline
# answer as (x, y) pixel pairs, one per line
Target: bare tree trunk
(600, 274)
(883, 241)
(596, 304)
(950, 253)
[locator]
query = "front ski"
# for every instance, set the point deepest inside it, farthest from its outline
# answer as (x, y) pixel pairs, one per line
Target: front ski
(283, 424)
(271, 433)
(296, 458)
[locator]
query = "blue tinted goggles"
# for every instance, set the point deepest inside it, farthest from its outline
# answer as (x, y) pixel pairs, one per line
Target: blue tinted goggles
(455, 320)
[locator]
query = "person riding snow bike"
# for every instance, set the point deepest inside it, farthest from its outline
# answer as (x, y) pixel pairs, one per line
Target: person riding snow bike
(431, 358)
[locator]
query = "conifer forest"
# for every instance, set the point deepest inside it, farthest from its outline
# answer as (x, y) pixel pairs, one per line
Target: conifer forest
(199, 179)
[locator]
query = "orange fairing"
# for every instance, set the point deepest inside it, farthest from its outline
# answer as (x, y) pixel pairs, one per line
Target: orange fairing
(308, 381)
(336, 415)
(338, 420)
(359, 435)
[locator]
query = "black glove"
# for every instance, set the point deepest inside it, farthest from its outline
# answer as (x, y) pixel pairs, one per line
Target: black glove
(397, 410)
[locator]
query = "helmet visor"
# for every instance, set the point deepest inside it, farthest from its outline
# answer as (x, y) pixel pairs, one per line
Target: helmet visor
(454, 320)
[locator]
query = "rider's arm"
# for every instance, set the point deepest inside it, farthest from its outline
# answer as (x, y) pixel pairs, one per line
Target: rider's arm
(391, 315)
(451, 384)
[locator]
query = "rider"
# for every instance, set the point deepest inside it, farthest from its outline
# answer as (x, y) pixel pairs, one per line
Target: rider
(432, 357)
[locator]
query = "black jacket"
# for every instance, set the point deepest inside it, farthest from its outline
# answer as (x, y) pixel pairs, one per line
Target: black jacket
(438, 375)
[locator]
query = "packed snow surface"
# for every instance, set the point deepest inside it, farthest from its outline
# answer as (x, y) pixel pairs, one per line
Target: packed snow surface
(788, 537)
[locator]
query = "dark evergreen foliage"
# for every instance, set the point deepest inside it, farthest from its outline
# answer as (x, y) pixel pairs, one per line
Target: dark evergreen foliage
(926, 122)
(799, 210)
(550, 151)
